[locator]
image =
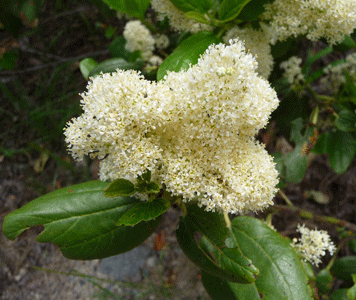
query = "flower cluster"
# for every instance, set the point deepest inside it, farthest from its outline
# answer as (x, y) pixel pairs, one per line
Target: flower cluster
(139, 38)
(313, 244)
(330, 19)
(293, 71)
(335, 74)
(194, 130)
(177, 18)
(257, 42)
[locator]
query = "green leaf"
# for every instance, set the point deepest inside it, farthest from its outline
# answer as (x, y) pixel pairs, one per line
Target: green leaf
(197, 17)
(230, 9)
(346, 121)
(279, 160)
(282, 274)
(340, 294)
(296, 165)
(351, 292)
(81, 221)
(201, 6)
(111, 65)
(252, 10)
(229, 264)
(344, 267)
(86, 65)
(8, 60)
(341, 147)
(314, 57)
(324, 281)
(119, 187)
(144, 211)
(10, 21)
(117, 48)
(134, 8)
(296, 162)
(187, 53)
(347, 44)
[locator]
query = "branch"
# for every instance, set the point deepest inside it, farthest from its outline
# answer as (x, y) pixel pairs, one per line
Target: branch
(53, 64)
(310, 215)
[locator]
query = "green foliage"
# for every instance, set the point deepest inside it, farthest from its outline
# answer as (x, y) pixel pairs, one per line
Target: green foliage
(200, 6)
(119, 187)
(344, 267)
(252, 10)
(81, 221)
(346, 120)
(187, 53)
(340, 146)
(230, 9)
(282, 275)
(144, 211)
(134, 8)
(117, 48)
(227, 263)
(112, 64)
(324, 281)
(351, 292)
(86, 65)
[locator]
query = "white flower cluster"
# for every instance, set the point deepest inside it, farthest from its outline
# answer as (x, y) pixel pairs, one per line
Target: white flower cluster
(313, 244)
(257, 42)
(177, 18)
(335, 74)
(161, 41)
(194, 130)
(139, 38)
(330, 19)
(293, 71)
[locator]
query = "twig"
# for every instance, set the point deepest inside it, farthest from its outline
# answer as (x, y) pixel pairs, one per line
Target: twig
(310, 215)
(285, 198)
(53, 64)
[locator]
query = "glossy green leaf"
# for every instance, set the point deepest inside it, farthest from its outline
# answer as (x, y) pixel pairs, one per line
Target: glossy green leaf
(351, 292)
(324, 281)
(201, 6)
(86, 65)
(296, 161)
(344, 267)
(282, 274)
(341, 147)
(346, 121)
(347, 44)
(117, 48)
(230, 9)
(134, 8)
(340, 294)
(197, 17)
(296, 165)
(187, 53)
(252, 10)
(111, 65)
(144, 211)
(119, 187)
(81, 221)
(234, 267)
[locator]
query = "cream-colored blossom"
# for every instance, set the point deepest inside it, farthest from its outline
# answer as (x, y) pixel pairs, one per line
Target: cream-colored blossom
(161, 41)
(335, 74)
(313, 244)
(293, 71)
(257, 42)
(177, 18)
(138, 38)
(330, 19)
(194, 130)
